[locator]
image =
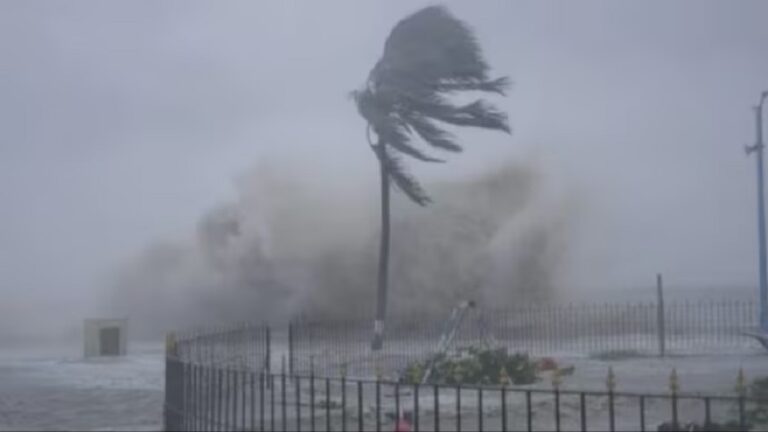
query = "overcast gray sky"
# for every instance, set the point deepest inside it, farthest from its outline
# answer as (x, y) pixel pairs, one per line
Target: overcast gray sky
(122, 122)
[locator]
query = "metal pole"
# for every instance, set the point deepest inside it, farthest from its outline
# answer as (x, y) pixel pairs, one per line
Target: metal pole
(758, 147)
(662, 334)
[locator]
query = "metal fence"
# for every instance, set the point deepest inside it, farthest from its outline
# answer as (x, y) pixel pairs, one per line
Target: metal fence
(209, 398)
(240, 346)
(635, 328)
(222, 379)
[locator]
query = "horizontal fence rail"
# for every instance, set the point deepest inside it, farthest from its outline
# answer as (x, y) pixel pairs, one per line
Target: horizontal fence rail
(209, 398)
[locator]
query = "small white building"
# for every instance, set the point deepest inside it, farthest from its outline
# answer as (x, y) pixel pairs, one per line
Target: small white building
(105, 337)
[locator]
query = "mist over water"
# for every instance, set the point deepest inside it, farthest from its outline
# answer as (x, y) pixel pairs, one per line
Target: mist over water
(122, 124)
(290, 245)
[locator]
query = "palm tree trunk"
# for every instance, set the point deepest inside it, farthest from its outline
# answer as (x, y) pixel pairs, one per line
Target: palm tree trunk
(381, 293)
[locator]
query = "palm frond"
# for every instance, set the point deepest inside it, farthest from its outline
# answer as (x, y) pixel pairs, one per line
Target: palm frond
(476, 114)
(498, 85)
(404, 181)
(432, 134)
(389, 127)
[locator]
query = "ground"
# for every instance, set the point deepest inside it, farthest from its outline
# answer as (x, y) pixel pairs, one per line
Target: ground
(56, 389)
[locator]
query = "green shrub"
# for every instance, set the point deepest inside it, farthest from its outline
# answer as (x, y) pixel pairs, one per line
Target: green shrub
(758, 413)
(617, 355)
(473, 365)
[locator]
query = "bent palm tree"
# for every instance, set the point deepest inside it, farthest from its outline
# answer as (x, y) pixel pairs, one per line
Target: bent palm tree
(428, 56)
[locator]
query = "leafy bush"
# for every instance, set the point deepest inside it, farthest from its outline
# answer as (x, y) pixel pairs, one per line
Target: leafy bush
(473, 365)
(731, 426)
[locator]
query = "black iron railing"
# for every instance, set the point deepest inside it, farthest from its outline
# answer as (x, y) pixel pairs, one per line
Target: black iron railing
(209, 398)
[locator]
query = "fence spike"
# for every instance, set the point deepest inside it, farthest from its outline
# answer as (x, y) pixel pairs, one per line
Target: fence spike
(611, 380)
(674, 383)
(378, 370)
(741, 383)
(343, 369)
(504, 376)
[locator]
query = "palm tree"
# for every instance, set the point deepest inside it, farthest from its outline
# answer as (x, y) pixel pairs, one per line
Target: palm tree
(428, 57)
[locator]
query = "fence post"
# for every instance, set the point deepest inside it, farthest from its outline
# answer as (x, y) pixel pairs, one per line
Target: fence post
(660, 316)
(611, 384)
(741, 389)
(174, 386)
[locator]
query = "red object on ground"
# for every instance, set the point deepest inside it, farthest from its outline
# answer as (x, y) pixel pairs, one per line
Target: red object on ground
(402, 426)
(547, 363)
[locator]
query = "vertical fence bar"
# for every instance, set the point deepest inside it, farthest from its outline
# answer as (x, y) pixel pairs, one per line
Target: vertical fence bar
(194, 394)
(252, 378)
(343, 403)
(642, 413)
(297, 381)
(674, 409)
(262, 385)
(378, 404)
(458, 408)
(742, 414)
(416, 407)
(604, 335)
(557, 409)
(271, 402)
(208, 398)
(283, 407)
(219, 398)
(327, 404)
(184, 405)
(225, 396)
(480, 409)
(436, 396)
(583, 411)
(203, 399)
(186, 420)
(243, 399)
(211, 399)
(312, 400)
(504, 409)
(268, 355)
(234, 391)
(528, 410)
(611, 412)
(360, 405)
(291, 347)
(397, 402)
(707, 413)
(173, 385)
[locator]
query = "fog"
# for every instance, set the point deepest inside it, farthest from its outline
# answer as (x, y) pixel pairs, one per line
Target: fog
(129, 131)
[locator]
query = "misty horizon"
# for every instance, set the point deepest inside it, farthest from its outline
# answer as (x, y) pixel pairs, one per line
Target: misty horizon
(125, 125)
